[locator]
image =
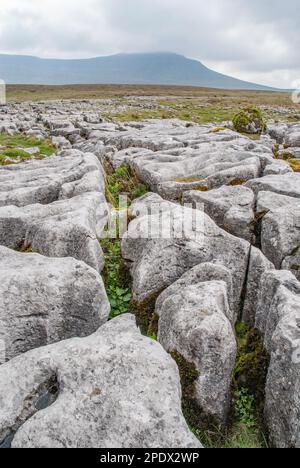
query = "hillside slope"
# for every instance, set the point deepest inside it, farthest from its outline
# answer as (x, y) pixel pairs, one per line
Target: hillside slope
(153, 68)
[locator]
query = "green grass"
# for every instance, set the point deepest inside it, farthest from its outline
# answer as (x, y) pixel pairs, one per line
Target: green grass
(186, 110)
(245, 429)
(12, 148)
(123, 181)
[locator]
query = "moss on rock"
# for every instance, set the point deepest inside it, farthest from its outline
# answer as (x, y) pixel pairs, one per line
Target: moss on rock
(144, 311)
(252, 365)
(236, 182)
(153, 327)
(206, 428)
(250, 121)
(295, 164)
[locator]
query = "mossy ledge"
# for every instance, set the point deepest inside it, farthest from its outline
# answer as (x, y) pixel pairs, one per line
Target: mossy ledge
(144, 310)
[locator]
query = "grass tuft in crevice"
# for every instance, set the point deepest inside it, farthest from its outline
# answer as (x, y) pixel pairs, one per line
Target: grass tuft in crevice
(116, 279)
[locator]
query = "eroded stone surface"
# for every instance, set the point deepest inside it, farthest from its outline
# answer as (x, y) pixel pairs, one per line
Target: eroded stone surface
(158, 261)
(115, 388)
(57, 208)
(281, 238)
(287, 184)
(278, 319)
(232, 208)
(258, 265)
(45, 300)
(66, 228)
(194, 322)
(49, 180)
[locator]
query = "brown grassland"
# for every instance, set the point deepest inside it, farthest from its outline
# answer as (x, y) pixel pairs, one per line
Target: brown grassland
(21, 93)
(200, 105)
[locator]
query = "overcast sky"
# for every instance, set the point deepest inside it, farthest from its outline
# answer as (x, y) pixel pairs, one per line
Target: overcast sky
(255, 40)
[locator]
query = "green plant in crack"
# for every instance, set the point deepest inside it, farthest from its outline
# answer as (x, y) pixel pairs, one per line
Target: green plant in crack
(116, 280)
(248, 429)
(245, 408)
(245, 429)
(120, 181)
(123, 181)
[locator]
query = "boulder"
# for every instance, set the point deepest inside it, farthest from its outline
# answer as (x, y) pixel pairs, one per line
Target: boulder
(278, 319)
(277, 131)
(202, 273)
(280, 238)
(232, 208)
(194, 322)
(45, 300)
(250, 120)
(160, 248)
(66, 228)
(61, 142)
(103, 391)
(270, 201)
(43, 181)
(293, 138)
(286, 184)
(277, 167)
(289, 153)
(266, 317)
(258, 265)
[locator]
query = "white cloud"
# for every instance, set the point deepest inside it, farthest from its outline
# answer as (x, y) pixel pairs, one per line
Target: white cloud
(255, 40)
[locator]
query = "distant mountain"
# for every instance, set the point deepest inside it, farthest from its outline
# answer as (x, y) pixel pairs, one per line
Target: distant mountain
(151, 68)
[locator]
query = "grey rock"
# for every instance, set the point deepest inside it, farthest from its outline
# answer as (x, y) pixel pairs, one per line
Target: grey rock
(279, 319)
(232, 208)
(286, 184)
(42, 181)
(267, 317)
(66, 228)
(278, 131)
(61, 142)
(270, 201)
(194, 322)
(177, 241)
(258, 265)
(292, 152)
(44, 300)
(293, 138)
(205, 272)
(277, 167)
(151, 203)
(88, 373)
(280, 238)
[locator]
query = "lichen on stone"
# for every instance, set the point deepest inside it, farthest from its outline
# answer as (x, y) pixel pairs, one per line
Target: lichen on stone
(250, 120)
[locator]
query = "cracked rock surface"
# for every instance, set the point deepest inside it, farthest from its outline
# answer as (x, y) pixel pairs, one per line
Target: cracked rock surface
(90, 372)
(233, 254)
(202, 333)
(45, 300)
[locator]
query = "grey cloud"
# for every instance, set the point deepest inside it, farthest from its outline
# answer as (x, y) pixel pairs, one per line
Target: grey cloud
(246, 37)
